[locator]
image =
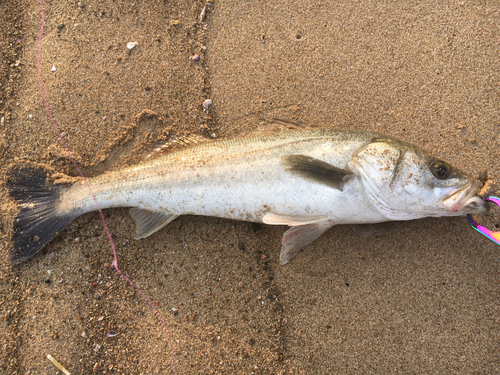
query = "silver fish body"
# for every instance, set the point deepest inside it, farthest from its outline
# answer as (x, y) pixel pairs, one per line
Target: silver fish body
(308, 179)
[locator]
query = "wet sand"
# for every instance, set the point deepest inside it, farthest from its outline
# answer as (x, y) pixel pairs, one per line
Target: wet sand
(423, 299)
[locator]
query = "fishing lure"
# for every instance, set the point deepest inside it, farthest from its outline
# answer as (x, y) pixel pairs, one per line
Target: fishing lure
(492, 235)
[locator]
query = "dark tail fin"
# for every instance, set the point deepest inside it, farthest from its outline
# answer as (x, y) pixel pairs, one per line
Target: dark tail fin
(37, 221)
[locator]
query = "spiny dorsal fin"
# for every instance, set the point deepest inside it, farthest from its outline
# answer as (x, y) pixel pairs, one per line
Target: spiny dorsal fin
(148, 222)
(176, 143)
(289, 124)
(161, 148)
(315, 170)
(275, 125)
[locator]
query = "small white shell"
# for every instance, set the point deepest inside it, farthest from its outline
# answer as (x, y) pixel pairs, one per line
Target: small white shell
(30, 117)
(131, 45)
(203, 13)
(207, 103)
(53, 68)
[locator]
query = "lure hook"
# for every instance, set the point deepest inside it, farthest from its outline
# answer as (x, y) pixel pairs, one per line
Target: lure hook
(492, 235)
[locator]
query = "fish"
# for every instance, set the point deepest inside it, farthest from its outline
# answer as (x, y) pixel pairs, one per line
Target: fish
(308, 179)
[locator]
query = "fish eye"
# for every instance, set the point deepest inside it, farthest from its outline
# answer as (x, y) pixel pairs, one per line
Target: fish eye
(440, 169)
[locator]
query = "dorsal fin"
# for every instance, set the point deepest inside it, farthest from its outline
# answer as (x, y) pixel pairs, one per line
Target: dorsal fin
(275, 125)
(289, 124)
(175, 143)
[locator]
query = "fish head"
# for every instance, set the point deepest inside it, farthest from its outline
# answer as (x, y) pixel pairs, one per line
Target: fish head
(404, 182)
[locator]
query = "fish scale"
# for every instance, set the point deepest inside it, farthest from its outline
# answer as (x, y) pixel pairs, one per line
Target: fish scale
(215, 179)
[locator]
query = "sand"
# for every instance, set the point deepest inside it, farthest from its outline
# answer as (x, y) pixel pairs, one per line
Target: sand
(422, 299)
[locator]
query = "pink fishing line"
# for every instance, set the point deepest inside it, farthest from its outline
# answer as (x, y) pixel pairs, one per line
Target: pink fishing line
(61, 139)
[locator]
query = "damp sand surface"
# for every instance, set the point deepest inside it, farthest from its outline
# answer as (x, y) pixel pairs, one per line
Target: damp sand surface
(422, 299)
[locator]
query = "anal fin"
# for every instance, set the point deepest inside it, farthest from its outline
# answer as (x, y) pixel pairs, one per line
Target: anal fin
(148, 222)
(298, 237)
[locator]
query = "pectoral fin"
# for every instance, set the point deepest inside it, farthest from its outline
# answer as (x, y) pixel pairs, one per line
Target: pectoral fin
(148, 222)
(315, 170)
(297, 237)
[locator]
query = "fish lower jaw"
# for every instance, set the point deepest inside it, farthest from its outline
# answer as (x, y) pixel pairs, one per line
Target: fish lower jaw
(475, 205)
(465, 198)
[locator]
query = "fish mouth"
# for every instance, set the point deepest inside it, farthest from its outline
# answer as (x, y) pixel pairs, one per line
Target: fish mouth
(465, 199)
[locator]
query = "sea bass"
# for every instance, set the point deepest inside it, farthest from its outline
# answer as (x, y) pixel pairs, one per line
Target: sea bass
(308, 179)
